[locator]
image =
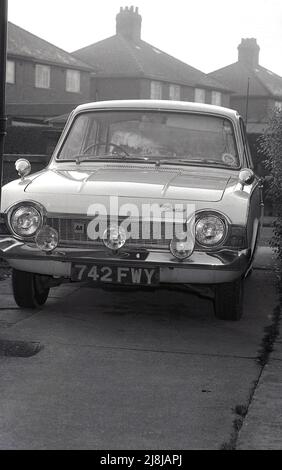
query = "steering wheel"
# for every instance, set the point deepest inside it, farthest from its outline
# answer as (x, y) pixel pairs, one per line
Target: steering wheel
(103, 143)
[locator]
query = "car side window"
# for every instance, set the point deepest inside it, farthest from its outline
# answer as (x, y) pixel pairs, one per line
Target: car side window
(246, 144)
(74, 142)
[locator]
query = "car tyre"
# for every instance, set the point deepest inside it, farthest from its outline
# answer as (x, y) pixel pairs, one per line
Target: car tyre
(29, 289)
(228, 301)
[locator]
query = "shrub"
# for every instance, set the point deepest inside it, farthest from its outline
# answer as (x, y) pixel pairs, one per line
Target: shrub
(271, 147)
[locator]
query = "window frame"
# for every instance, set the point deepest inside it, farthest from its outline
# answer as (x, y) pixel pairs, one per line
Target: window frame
(172, 88)
(214, 98)
(70, 81)
(200, 91)
(278, 105)
(159, 85)
(13, 81)
(40, 79)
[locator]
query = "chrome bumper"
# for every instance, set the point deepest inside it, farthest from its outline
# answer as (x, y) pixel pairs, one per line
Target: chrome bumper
(200, 268)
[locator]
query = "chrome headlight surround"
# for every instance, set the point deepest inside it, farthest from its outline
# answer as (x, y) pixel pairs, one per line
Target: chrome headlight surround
(38, 211)
(216, 226)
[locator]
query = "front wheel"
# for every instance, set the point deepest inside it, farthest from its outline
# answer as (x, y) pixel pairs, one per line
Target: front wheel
(29, 289)
(228, 301)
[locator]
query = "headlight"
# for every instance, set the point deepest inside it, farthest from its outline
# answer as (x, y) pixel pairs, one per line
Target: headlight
(26, 220)
(210, 230)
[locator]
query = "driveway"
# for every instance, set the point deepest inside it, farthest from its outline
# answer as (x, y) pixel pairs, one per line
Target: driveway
(136, 370)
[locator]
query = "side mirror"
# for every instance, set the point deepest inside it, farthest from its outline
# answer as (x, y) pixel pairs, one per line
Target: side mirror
(23, 167)
(246, 177)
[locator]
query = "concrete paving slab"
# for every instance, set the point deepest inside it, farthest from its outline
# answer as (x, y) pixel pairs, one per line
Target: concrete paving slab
(162, 320)
(9, 317)
(145, 370)
(277, 350)
(266, 235)
(265, 258)
(63, 290)
(262, 429)
(5, 287)
(89, 398)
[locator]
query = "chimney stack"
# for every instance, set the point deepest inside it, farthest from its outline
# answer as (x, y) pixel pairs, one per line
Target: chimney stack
(248, 52)
(128, 23)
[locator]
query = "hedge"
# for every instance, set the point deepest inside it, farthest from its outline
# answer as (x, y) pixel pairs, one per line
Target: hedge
(271, 147)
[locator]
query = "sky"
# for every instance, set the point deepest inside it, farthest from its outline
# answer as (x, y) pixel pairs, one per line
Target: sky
(202, 33)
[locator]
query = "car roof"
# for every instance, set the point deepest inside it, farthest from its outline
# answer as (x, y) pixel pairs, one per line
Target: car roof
(158, 105)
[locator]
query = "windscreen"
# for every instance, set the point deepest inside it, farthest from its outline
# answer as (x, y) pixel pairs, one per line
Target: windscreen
(165, 136)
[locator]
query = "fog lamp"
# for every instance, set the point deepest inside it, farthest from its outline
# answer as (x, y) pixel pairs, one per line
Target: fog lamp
(47, 239)
(114, 238)
(182, 249)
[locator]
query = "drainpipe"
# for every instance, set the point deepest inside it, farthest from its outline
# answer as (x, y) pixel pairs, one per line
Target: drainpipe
(3, 57)
(247, 102)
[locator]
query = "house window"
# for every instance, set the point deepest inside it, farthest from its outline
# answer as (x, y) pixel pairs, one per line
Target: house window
(10, 72)
(174, 92)
(156, 91)
(200, 95)
(278, 105)
(73, 81)
(42, 76)
(216, 98)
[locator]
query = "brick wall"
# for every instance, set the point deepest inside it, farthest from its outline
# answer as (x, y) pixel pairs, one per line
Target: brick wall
(115, 89)
(258, 107)
(24, 90)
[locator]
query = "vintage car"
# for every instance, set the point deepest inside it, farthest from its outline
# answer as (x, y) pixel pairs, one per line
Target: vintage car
(138, 194)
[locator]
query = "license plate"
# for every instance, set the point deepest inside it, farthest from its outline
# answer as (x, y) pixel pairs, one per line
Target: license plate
(115, 274)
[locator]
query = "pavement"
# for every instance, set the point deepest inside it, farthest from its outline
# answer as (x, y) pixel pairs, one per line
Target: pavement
(150, 370)
(262, 428)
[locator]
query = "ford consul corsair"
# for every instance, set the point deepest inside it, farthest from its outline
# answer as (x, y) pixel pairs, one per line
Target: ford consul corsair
(138, 193)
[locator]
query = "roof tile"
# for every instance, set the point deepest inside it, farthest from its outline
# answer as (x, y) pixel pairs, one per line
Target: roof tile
(262, 82)
(24, 43)
(117, 56)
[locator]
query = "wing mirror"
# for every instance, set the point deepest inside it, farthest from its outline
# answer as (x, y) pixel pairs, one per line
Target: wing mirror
(23, 167)
(246, 177)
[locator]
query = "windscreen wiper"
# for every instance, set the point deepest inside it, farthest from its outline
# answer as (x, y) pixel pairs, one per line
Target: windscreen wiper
(192, 162)
(128, 158)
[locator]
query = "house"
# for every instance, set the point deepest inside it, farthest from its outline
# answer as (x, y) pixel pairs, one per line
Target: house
(44, 83)
(41, 81)
(256, 89)
(130, 68)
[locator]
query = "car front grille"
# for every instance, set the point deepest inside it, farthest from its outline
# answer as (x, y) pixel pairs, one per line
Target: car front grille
(73, 231)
